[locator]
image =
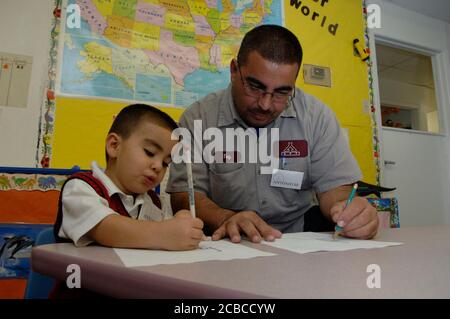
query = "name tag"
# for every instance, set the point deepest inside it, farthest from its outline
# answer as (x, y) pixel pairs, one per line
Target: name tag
(286, 179)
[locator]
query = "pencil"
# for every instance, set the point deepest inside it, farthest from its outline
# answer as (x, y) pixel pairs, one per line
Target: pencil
(338, 229)
(190, 185)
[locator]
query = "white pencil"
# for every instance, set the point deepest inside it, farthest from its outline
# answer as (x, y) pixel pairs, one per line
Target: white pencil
(190, 184)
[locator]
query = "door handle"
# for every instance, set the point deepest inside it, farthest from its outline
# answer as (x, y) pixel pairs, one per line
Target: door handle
(389, 163)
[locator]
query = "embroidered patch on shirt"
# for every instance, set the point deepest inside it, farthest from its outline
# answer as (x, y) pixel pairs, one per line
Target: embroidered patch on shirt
(295, 148)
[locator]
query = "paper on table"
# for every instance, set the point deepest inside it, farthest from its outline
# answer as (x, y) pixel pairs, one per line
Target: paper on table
(209, 250)
(308, 242)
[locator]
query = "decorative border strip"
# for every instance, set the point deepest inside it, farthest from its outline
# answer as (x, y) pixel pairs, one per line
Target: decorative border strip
(46, 124)
(27, 182)
(375, 132)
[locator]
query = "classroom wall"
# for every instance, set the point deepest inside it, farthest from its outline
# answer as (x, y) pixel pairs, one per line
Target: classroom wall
(71, 146)
(24, 29)
(422, 172)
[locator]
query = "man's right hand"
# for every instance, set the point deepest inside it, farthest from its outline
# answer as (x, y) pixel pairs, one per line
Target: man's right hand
(248, 223)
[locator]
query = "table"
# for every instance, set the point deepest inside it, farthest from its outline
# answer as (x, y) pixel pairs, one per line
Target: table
(420, 268)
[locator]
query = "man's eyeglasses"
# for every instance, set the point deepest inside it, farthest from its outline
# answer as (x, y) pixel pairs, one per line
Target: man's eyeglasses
(256, 92)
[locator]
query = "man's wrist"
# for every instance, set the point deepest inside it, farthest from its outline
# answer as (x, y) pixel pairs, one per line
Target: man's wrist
(225, 214)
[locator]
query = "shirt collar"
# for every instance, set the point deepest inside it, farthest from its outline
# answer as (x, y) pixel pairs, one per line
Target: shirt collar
(290, 110)
(112, 189)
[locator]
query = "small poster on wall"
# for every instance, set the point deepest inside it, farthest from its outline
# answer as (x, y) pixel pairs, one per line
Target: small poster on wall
(16, 242)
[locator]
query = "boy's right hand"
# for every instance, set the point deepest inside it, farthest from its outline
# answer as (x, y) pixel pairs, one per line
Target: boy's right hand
(183, 232)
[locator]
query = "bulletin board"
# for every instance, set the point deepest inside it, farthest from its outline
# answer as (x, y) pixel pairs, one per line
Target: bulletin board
(73, 127)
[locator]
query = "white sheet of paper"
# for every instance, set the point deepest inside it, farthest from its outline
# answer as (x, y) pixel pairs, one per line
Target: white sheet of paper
(309, 242)
(209, 250)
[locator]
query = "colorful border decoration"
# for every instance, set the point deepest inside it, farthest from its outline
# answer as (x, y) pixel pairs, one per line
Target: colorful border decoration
(30, 179)
(26, 182)
(46, 125)
(375, 132)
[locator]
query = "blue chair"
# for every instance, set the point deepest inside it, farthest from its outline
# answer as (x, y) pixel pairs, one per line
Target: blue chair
(39, 286)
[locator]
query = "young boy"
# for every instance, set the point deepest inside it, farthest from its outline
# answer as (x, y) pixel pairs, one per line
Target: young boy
(97, 206)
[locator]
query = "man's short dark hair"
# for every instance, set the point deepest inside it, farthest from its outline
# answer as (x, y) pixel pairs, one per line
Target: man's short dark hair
(274, 43)
(130, 117)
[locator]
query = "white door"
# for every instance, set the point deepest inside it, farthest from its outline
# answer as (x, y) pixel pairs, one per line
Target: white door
(421, 171)
(414, 162)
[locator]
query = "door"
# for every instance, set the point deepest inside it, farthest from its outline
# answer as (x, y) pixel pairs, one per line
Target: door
(413, 149)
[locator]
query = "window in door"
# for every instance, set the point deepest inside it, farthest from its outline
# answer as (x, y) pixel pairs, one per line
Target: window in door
(407, 90)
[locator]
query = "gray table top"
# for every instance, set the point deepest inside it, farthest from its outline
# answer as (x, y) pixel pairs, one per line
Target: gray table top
(420, 268)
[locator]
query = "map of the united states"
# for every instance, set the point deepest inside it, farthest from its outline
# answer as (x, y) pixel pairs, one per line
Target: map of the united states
(162, 51)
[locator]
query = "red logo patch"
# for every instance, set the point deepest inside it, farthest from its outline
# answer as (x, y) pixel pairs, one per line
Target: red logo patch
(295, 148)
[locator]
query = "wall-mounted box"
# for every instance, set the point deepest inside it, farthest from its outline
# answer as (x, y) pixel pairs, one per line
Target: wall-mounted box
(317, 75)
(15, 74)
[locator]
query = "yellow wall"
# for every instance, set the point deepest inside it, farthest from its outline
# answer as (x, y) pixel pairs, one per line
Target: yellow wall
(80, 130)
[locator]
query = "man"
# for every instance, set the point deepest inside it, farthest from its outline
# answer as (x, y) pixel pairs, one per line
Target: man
(235, 198)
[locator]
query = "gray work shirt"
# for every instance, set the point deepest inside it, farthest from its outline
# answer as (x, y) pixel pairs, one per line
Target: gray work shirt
(311, 141)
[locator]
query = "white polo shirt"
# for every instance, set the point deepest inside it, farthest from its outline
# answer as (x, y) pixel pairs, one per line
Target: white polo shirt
(83, 208)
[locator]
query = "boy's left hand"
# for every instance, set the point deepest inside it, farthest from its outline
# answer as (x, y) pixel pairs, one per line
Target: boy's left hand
(359, 218)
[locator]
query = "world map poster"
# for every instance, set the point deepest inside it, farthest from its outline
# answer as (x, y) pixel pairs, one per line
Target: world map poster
(167, 52)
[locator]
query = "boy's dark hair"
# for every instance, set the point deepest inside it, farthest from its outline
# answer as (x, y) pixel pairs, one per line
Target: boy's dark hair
(130, 116)
(274, 43)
